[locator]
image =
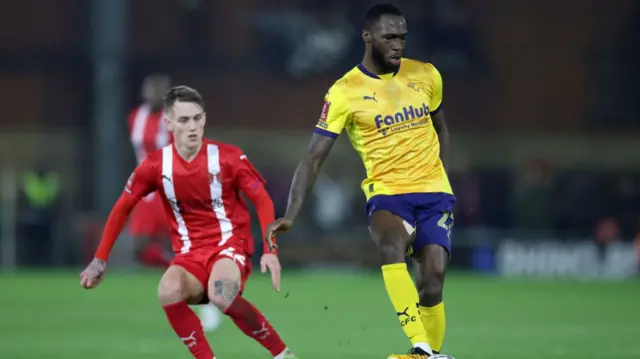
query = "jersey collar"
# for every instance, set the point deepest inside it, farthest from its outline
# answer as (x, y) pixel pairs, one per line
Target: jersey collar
(371, 74)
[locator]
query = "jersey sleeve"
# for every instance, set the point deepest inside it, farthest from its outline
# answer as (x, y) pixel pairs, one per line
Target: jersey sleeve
(436, 92)
(142, 181)
(334, 115)
(247, 177)
(252, 184)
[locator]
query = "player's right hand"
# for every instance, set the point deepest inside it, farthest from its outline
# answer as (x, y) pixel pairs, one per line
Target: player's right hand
(280, 225)
(93, 275)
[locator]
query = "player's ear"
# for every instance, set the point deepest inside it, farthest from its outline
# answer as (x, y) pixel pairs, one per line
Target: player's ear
(366, 36)
(169, 123)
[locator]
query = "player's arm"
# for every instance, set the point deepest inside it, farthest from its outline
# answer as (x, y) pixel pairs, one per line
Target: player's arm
(252, 184)
(437, 117)
(306, 173)
(249, 181)
(140, 183)
(333, 119)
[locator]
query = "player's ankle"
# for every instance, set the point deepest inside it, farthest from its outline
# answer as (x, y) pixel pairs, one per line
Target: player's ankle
(282, 355)
(425, 347)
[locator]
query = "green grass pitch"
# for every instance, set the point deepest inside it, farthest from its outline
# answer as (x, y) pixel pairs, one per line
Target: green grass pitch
(325, 315)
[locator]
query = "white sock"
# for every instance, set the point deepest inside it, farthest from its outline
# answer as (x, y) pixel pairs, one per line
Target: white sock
(281, 355)
(424, 346)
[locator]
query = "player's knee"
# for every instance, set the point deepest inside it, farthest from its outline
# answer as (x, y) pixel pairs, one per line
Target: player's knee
(223, 292)
(170, 291)
(391, 250)
(430, 286)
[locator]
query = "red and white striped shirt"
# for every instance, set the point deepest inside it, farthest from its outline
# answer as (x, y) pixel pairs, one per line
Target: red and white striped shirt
(148, 131)
(202, 198)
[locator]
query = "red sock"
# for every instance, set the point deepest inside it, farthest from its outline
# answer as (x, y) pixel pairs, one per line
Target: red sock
(255, 325)
(153, 255)
(187, 325)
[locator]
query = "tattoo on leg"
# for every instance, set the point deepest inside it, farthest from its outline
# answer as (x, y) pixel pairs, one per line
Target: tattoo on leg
(227, 289)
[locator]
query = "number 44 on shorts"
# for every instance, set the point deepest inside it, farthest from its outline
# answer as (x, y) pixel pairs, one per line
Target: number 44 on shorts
(231, 253)
(446, 222)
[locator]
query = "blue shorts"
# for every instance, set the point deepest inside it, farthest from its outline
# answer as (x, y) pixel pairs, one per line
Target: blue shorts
(431, 214)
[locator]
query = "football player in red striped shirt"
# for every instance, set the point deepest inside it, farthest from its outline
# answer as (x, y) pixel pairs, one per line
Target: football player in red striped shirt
(200, 182)
(148, 224)
(148, 133)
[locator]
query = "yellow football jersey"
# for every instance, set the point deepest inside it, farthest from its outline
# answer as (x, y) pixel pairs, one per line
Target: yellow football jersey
(389, 124)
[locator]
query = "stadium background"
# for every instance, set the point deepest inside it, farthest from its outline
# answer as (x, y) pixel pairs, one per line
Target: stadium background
(541, 101)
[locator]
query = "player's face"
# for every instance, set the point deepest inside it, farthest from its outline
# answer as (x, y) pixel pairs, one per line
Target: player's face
(387, 40)
(186, 121)
(154, 88)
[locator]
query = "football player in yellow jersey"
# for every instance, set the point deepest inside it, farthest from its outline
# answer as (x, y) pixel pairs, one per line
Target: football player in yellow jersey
(391, 109)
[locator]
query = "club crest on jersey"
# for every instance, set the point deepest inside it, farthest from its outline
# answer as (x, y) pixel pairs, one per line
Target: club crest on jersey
(418, 86)
(386, 123)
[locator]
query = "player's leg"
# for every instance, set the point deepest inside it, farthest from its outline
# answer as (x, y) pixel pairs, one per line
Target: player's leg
(392, 237)
(432, 264)
(177, 289)
(432, 248)
(153, 248)
(225, 289)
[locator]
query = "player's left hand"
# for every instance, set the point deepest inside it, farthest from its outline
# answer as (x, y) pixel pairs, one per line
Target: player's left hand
(94, 274)
(271, 262)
